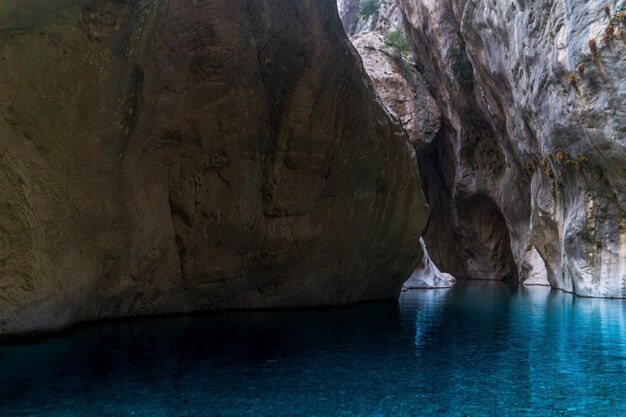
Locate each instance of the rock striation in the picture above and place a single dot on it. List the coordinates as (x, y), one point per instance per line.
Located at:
(527, 175)
(162, 157)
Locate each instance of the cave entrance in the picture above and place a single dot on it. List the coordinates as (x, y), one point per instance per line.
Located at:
(466, 236)
(485, 243)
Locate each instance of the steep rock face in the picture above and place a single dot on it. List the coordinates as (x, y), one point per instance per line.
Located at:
(544, 150)
(401, 88)
(405, 94)
(169, 156)
(349, 14)
(527, 176)
(387, 18)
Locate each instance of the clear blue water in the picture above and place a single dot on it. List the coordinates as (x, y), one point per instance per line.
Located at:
(479, 349)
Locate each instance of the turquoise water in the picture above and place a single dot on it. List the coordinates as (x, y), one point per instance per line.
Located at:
(479, 349)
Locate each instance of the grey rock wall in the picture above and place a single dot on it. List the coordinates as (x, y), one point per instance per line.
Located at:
(544, 143)
(527, 175)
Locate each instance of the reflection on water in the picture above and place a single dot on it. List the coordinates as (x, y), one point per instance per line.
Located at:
(478, 349)
(523, 350)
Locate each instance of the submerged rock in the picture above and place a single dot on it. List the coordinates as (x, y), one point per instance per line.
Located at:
(170, 156)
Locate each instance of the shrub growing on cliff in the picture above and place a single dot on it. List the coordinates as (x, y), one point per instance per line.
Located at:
(562, 156)
(580, 163)
(571, 78)
(529, 168)
(596, 172)
(593, 47)
(369, 8)
(608, 33)
(397, 40)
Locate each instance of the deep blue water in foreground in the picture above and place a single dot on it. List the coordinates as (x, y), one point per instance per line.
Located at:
(479, 349)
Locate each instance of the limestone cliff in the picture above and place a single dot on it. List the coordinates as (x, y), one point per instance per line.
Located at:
(527, 176)
(404, 92)
(166, 156)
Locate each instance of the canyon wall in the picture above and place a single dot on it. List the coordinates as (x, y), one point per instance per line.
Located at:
(527, 176)
(168, 156)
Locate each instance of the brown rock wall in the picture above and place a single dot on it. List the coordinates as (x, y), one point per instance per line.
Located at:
(170, 156)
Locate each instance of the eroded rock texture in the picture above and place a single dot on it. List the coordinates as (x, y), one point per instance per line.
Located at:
(527, 177)
(166, 156)
(401, 88)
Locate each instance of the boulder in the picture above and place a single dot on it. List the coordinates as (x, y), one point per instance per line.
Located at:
(161, 157)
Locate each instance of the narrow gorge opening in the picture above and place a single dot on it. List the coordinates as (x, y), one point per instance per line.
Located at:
(460, 160)
(468, 238)
(485, 240)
